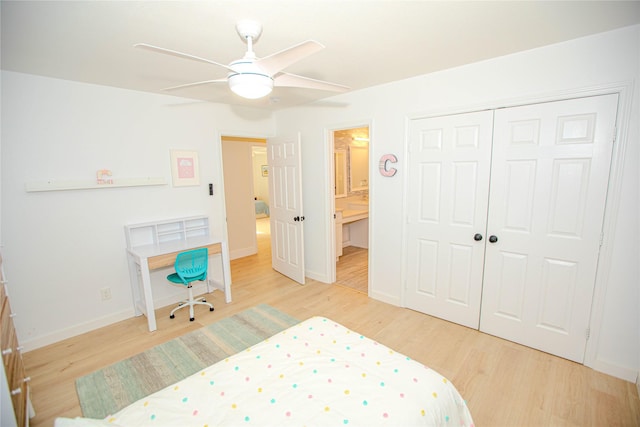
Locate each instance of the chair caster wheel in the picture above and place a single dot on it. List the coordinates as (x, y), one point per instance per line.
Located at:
(210, 308)
(192, 319)
(173, 316)
(204, 300)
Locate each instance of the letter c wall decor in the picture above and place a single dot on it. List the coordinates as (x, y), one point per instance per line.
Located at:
(385, 170)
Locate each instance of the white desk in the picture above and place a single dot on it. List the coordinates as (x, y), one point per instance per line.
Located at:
(161, 254)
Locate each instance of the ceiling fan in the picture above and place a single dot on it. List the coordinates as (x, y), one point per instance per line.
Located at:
(252, 77)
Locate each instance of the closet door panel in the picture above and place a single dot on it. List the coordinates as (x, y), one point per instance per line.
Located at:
(448, 181)
(549, 178)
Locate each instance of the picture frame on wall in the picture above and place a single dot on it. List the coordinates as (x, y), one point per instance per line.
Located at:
(185, 170)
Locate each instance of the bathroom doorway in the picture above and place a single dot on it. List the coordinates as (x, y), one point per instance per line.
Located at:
(351, 206)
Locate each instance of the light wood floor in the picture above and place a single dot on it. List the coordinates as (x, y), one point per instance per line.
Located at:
(505, 384)
(352, 269)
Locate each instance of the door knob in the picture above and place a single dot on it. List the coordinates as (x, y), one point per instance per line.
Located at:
(477, 237)
(296, 218)
(493, 238)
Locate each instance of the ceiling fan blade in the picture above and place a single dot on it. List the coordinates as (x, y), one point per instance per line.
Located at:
(180, 54)
(279, 61)
(205, 82)
(292, 80)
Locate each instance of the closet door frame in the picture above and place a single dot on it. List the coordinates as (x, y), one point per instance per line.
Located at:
(612, 205)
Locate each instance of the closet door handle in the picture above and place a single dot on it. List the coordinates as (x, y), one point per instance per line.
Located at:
(493, 238)
(296, 218)
(477, 237)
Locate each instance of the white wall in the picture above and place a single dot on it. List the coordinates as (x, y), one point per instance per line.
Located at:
(238, 184)
(607, 59)
(62, 247)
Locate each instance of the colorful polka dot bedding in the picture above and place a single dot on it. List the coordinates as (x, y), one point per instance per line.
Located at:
(316, 373)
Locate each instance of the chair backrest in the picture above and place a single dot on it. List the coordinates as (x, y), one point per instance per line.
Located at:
(192, 265)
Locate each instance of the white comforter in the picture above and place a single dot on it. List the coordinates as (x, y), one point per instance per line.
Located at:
(317, 373)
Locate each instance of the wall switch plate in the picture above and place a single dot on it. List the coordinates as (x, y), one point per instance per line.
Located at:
(105, 294)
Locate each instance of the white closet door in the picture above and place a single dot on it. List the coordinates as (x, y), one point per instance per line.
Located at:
(549, 178)
(448, 180)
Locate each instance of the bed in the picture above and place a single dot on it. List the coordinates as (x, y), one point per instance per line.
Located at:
(316, 373)
(262, 208)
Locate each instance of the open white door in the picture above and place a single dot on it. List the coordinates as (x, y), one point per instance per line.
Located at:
(285, 190)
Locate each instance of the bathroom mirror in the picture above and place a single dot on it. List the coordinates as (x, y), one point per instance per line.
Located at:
(340, 168)
(358, 167)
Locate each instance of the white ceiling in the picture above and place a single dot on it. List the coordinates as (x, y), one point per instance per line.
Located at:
(367, 42)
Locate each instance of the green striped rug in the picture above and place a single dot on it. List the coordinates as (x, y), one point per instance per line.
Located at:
(110, 389)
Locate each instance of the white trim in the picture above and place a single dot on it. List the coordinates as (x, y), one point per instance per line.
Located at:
(243, 252)
(330, 256)
(75, 330)
(314, 275)
(560, 95)
(330, 202)
(384, 297)
(405, 216)
(612, 204)
(627, 374)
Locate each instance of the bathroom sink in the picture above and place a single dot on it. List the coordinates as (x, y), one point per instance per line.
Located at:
(358, 207)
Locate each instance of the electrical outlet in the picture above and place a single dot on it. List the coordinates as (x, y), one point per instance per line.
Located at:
(105, 294)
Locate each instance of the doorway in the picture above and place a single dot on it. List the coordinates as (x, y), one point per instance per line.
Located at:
(261, 200)
(350, 188)
(246, 192)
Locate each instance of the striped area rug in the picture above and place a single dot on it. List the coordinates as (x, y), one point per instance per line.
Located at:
(110, 389)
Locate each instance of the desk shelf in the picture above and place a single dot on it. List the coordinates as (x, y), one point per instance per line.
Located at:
(154, 233)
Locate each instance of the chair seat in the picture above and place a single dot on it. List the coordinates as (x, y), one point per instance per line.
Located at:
(175, 278)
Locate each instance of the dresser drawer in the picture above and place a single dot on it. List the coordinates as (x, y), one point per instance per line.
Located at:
(12, 358)
(8, 339)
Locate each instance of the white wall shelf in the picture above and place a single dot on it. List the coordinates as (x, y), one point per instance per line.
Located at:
(91, 184)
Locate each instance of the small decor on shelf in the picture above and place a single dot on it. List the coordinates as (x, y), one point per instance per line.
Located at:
(103, 176)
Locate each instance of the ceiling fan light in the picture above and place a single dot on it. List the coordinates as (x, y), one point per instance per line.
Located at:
(251, 86)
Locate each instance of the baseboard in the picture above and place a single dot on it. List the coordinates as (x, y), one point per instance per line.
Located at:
(381, 296)
(241, 253)
(638, 384)
(621, 372)
(316, 276)
(54, 337)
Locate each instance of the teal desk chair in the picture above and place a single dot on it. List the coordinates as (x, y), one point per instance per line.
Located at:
(190, 266)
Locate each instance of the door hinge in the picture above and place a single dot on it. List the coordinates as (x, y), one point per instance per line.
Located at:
(601, 239)
(587, 333)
